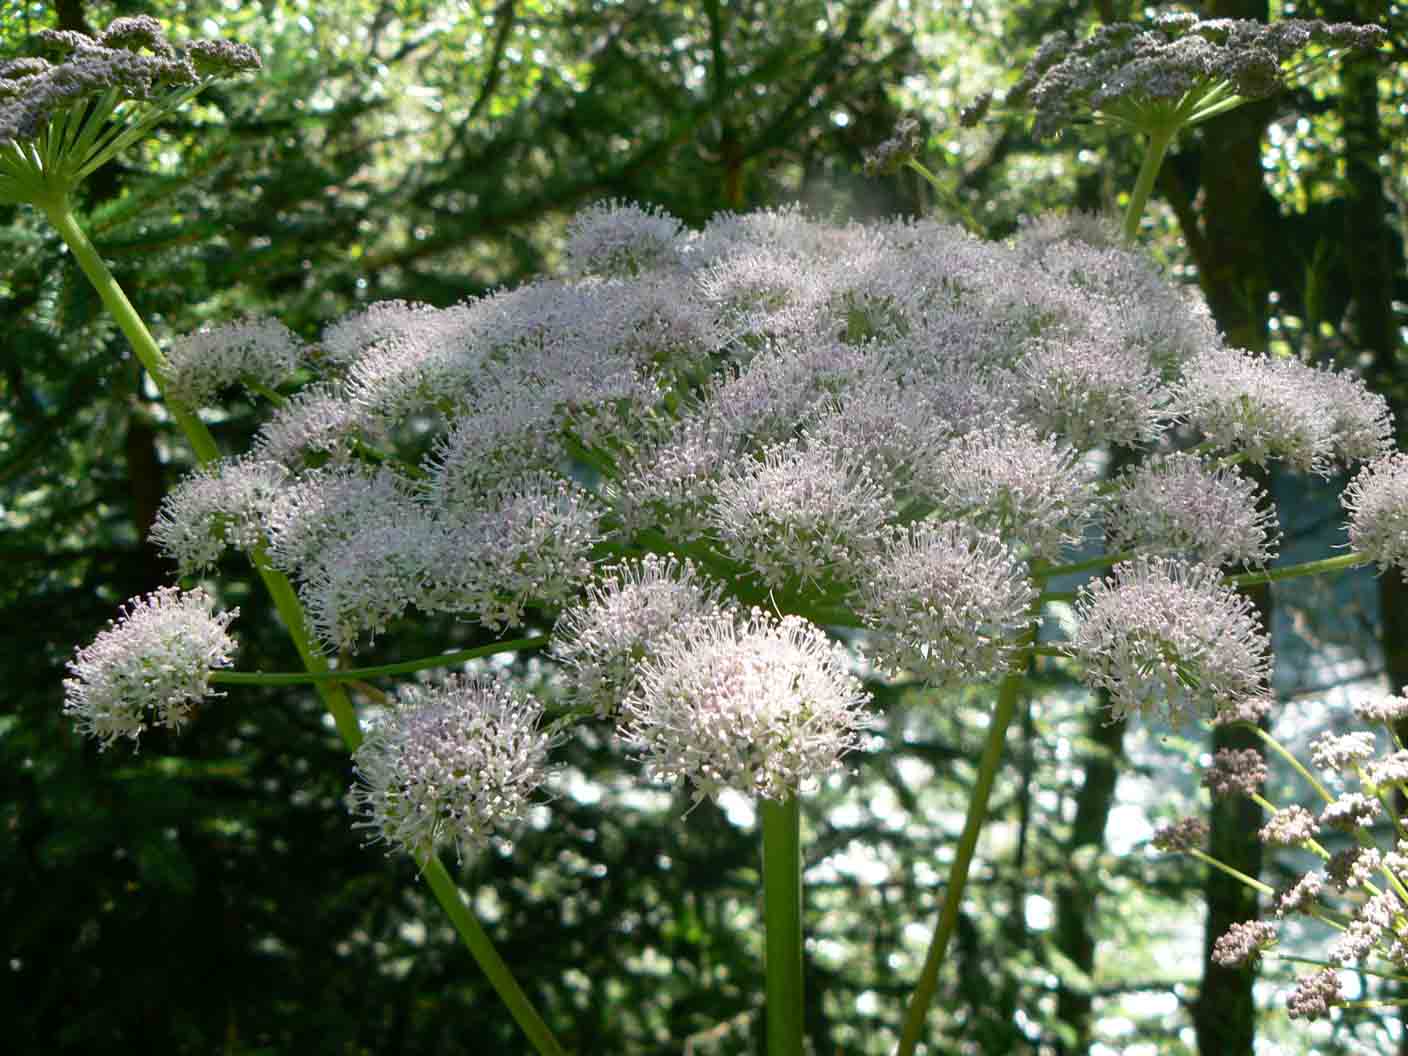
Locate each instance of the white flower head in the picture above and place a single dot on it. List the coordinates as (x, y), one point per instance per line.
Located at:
(1165, 633)
(199, 365)
(1377, 502)
(218, 505)
(614, 238)
(1178, 504)
(800, 514)
(155, 659)
(947, 603)
(1008, 480)
(1270, 408)
(625, 614)
(450, 765)
(761, 708)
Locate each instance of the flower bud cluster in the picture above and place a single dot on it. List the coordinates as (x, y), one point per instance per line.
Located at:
(1125, 70)
(131, 58)
(1373, 921)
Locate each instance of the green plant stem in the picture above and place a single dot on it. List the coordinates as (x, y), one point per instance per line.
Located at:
(782, 914)
(923, 996)
(487, 957)
(1308, 568)
(353, 674)
(60, 213)
(1154, 152)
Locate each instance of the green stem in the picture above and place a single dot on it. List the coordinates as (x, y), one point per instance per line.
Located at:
(1007, 695)
(60, 213)
(1308, 568)
(782, 912)
(487, 957)
(1144, 185)
(352, 674)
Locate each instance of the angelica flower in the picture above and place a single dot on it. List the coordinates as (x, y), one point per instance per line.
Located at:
(199, 365)
(1180, 505)
(60, 121)
(1243, 941)
(626, 614)
(761, 708)
(1377, 502)
(1315, 995)
(1014, 483)
(218, 505)
(614, 238)
(1235, 772)
(1162, 632)
(152, 664)
(1171, 74)
(451, 764)
(946, 603)
(801, 514)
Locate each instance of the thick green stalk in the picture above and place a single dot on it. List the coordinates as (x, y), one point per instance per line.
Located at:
(60, 214)
(782, 913)
(1144, 184)
(482, 948)
(1007, 695)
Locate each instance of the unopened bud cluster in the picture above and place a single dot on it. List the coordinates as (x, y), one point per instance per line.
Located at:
(1361, 891)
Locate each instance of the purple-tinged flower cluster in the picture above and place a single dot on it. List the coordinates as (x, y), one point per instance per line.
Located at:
(130, 59)
(1377, 503)
(1185, 834)
(1161, 633)
(1243, 942)
(621, 239)
(450, 765)
(762, 707)
(1315, 995)
(1265, 408)
(263, 352)
(1137, 75)
(946, 603)
(625, 615)
(1235, 772)
(223, 504)
(152, 664)
(1182, 505)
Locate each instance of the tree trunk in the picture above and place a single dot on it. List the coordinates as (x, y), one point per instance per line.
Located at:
(1234, 277)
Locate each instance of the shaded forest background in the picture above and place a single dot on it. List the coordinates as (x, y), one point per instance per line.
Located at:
(208, 895)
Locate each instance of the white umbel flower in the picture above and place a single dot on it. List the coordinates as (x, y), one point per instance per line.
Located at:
(1179, 504)
(801, 514)
(450, 765)
(621, 239)
(624, 615)
(1377, 502)
(155, 659)
(199, 365)
(760, 708)
(947, 603)
(221, 504)
(1165, 633)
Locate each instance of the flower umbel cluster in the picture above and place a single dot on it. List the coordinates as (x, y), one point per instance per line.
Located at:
(891, 428)
(54, 115)
(1176, 71)
(450, 765)
(1355, 832)
(152, 664)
